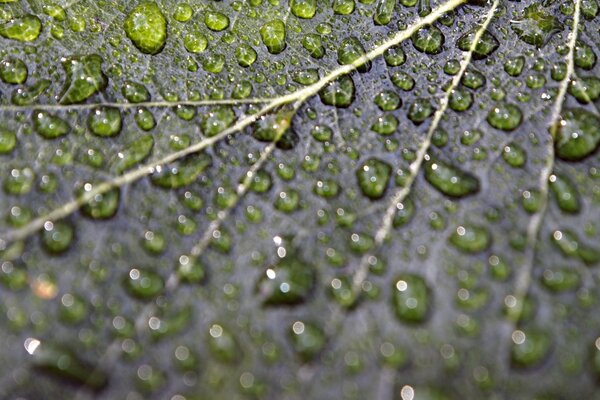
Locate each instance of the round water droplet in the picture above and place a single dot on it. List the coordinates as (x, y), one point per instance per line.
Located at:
(245, 54)
(105, 122)
(57, 236)
(470, 238)
(289, 281)
(305, 9)
(101, 206)
(183, 12)
(343, 7)
(307, 339)
(460, 99)
(287, 201)
(195, 42)
(273, 36)
(144, 119)
(387, 100)
(143, 284)
(514, 155)
(313, 44)
(385, 124)
(217, 120)
(13, 71)
(411, 298)
(146, 27)
(373, 177)
(216, 21)
(514, 66)
(577, 134)
(49, 126)
(429, 40)
(339, 93)
(420, 110)
(529, 347)
(394, 56)
(505, 116)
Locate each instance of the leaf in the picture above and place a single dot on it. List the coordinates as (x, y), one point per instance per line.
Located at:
(373, 199)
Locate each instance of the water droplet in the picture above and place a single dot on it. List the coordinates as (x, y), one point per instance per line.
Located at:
(57, 236)
(514, 66)
(560, 279)
(143, 284)
(135, 92)
(84, 78)
(62, 362)
(460, 99)
(8, 140)
(450, 180)
(105, 122)
(373, 177)
(571, 246)
(216, 21)
(181, 173)
(536, 25)
(101, 206)
(48, 125)
(383, 12)
(529, 347)
(514, 155)
(13, 71)
(217, 120)
(339, 93)
(388, 100)
(385, 124)
(420, 110)
(183, 12)
(245, 54)
(146, 27)
(19, 181)
(577, 134)
(273, 36)
(307, 339)
(305, 9)
(565, 193)
(24, 29)
(394, 56)
(144, 119)
(343, 7)
(486, 45)
(289, 281)
(287, 201)
(505, 116)
(429, 40)
(470, 238)
(313, 44)
(351, 50)
(411, 298)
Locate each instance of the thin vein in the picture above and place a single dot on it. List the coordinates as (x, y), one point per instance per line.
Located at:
(414, 168)
(524, 277)
(124, 106)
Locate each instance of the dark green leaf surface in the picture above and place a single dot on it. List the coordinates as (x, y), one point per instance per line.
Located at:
(257, 199)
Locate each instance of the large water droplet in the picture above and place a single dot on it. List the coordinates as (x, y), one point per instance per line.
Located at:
(146, 27)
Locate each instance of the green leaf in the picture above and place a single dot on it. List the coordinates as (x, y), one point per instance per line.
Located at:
(366, 199)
